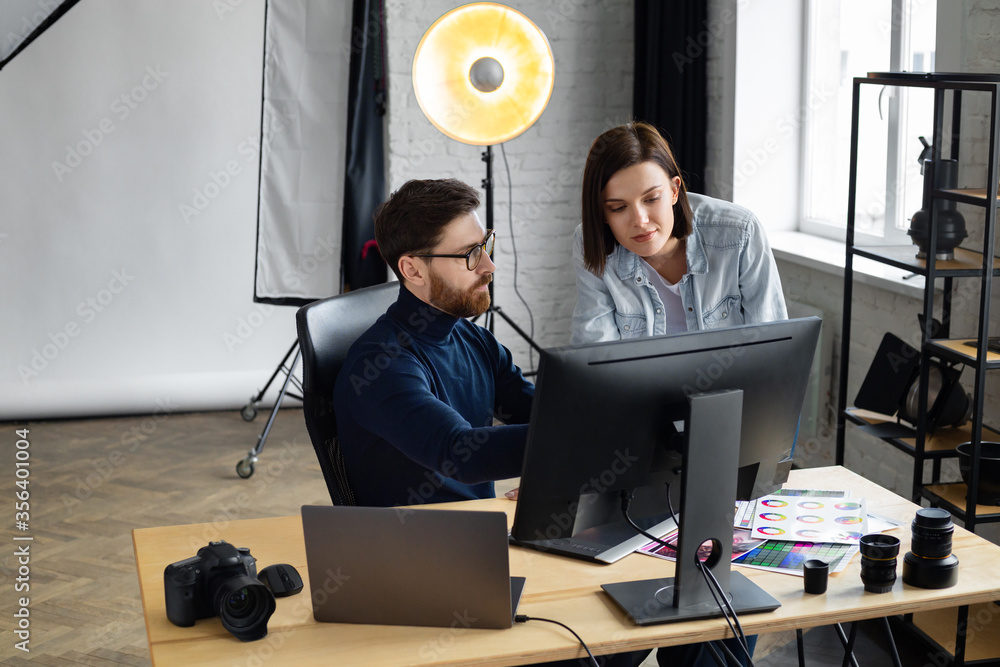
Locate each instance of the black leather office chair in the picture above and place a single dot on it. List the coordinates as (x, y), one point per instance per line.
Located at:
(326, 330)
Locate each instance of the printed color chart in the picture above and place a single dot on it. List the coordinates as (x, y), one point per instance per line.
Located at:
(789, 556)
(810, 519)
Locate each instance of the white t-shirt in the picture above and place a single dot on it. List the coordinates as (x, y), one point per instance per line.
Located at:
(670, 295)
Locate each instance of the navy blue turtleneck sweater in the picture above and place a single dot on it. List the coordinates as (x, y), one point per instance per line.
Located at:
(415, 403)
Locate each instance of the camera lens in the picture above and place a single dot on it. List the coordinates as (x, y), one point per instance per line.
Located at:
(245, 605)
(878, 562)
(240, 604)
(932, 532)
(930, 563)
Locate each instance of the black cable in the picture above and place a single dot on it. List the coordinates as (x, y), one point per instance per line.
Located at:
(721, 600)
(626, 497)
(513, 251)
(736, 618)
(740, 636)
(670, 508)
(713, 652)
(727, 651)
(522, 618)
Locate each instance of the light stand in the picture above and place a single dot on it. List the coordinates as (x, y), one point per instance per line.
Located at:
(482, 75)
(494, 309)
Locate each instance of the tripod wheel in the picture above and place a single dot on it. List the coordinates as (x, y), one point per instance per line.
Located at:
(244, 468)
(249, 412)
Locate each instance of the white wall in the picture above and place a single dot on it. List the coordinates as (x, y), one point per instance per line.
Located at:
(592, 44)
(112, 301)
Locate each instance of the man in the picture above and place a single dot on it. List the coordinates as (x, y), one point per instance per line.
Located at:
(419, 391)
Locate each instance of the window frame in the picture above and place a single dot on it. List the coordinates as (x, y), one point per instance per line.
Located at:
(896, 117)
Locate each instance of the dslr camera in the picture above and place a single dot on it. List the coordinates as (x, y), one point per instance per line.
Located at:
(220, 581)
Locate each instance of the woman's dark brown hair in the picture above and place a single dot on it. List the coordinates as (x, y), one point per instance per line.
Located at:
(621, 147)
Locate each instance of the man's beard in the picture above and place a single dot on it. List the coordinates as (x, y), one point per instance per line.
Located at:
(455, 302)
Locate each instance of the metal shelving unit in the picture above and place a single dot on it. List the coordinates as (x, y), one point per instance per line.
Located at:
(968, 264)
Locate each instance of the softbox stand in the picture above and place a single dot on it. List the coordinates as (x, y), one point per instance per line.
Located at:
(245, 467)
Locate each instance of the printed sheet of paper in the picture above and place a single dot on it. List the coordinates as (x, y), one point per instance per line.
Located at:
(787, 557)
(810, 519)
(745, 508)
(741, 545)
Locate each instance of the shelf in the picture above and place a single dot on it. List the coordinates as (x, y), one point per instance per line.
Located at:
(974, 196)
(952, 498)
(981, 643)
(937, 628)
(940, 444)
(956, 350)
(967, 263)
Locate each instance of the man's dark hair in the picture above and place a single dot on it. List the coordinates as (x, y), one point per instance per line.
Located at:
(619, 148)
(412, 219)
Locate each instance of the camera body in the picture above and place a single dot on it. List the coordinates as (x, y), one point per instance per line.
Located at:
(221, 580)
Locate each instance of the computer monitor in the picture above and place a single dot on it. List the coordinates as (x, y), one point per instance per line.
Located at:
(633, 415)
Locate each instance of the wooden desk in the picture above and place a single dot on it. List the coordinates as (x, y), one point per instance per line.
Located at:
(557, 588)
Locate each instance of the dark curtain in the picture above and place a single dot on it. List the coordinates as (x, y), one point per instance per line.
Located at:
(672, 38)
(365, 179)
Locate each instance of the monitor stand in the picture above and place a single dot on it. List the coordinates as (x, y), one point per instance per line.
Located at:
(711, 461)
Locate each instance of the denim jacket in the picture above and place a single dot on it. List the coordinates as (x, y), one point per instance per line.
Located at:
(731, 280)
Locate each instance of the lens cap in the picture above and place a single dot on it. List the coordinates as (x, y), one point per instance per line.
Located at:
(933, 517)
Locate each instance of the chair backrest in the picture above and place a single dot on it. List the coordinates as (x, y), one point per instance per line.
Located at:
(326, 330)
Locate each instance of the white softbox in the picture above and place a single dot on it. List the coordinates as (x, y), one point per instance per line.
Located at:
(303, 149)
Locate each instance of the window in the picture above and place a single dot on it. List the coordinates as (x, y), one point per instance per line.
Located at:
(845, 39)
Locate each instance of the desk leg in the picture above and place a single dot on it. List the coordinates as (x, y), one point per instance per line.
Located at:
(892, 642)
(800, 645)
(963, 624)
(848, 643)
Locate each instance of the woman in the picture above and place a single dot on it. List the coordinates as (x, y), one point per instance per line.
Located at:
(652, 259)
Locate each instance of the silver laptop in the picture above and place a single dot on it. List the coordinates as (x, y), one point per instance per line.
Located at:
(399, 566)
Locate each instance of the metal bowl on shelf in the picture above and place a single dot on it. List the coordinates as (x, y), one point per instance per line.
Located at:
(989, 470)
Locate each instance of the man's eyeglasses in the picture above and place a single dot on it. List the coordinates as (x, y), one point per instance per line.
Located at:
(475, 254)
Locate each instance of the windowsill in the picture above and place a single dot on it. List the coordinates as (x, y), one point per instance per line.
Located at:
(828, 256)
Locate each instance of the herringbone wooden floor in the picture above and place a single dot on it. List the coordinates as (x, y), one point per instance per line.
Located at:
(92, 481)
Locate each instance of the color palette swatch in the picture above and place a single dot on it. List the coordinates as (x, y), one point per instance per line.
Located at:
(788, 556)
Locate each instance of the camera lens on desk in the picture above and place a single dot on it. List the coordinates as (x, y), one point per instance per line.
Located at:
(930, 563)
(245, 605)
(878, 562)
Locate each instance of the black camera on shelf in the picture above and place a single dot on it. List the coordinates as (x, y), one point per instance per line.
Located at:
(220, 581)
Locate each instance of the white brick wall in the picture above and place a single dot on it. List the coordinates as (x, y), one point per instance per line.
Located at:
(592, 44)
